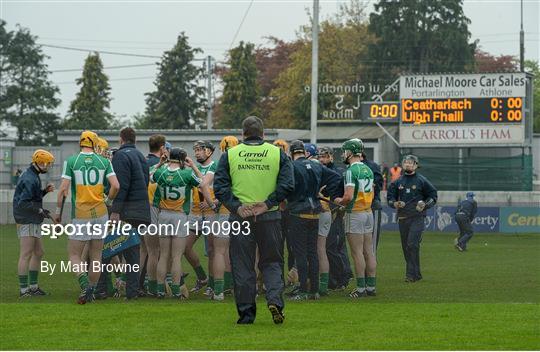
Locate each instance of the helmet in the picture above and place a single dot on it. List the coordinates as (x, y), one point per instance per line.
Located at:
(470, 195)
(89, 139)
(42, 156)
(326, 150)
(297, 146)
(177, 155)
(204, 144)
(102, 144)
(282, 144)
(168, 146)
(355, 146)
(411, 157)
(311, 149)
(227, 143)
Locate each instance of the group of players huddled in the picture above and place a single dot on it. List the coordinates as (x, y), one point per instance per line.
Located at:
(180, 192)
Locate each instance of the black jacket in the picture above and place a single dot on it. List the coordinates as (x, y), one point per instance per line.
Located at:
(468, 207)
(131, 170)
(28, 198)
(309, 177)
(285, 183)
(151, 160)
(411, 189)
(377, 183)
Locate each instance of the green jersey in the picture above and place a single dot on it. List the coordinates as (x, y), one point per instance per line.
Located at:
(197, 194)
(174, 188)
(360, 176)
(88, 173)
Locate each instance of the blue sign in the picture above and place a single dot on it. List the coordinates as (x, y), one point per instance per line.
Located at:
(520, 219)
(442, 219)
(116, 242)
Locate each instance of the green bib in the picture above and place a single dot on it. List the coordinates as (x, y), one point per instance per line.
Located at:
(254, 170)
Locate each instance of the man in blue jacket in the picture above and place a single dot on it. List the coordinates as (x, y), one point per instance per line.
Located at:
(131, 204)
(304, 208)
(465, 213)
(29, 213)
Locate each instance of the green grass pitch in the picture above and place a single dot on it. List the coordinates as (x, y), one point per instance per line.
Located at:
(485, 299)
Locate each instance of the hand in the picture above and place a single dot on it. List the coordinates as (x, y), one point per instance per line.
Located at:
(399, 204)
(189, 162)
(57, 219)
(338, 200)
(49, 188)
(420, 205)
(108, 201)
(45, 213)
(245, 211)
(259, 208)
(114, 217)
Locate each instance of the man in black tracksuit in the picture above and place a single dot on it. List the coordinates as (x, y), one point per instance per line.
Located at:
(336, 245)
(131, 203)
(304, 208)
(376, 205)
(251, 180)
(465, 213)
(411, 194)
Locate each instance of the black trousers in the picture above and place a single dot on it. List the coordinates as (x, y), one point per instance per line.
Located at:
(267, 236)
(284, 226)
(411, 230)
(303, 233)
(376, 229)
(465, 230)
(131, 255)
(336, 250)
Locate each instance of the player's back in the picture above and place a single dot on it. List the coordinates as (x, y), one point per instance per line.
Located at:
(174, 188)
(360, 176)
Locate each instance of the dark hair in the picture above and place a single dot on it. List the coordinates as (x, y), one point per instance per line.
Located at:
(252, 126)
(155, 142)
(128, 135)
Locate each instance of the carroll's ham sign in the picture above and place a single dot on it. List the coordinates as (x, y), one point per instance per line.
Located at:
(462, 109)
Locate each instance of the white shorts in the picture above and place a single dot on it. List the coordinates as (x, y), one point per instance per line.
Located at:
(95, 231)
(29, 230)
(217, 228)
(325, 222)
(359, 223)
(154, 213)
(172, 223)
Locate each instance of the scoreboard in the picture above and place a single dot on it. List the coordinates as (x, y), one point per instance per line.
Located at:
(462, 109)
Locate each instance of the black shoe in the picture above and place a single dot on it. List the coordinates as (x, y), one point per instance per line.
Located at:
(199, 285)
(371, 292)
(101, 296)
(293, 292)
(38, 292)
(277, 315)
(160, 295)
(356, 293)
(246, 319)
(86, 296)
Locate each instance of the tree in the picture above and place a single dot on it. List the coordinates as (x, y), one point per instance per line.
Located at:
(241, 91)
(532, 67)
(179, 98)
(421, 37)
(343, 43)
(485, 62)
(27, 96)
(89, 109)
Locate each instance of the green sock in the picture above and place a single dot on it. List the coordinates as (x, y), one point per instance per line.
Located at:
(168, 279)
(152, 286)
(218, 286)
(361, 283)
(175, 289)
(83, 281)
(323, 283)
(199, 271)
(161, 288)
(370, 282)
(23, 282)
(228, 282)
(33, 278)
(211, 282)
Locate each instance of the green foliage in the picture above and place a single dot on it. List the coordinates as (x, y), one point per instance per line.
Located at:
(343, 42)
(27, 97)
(179, 97)
(89, 109)
(419, 36)
(241, 90)
(532, 67)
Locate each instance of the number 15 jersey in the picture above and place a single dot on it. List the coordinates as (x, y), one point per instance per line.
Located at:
(174, 188)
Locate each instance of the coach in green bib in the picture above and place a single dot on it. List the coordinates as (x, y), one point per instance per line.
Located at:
(251, 179)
